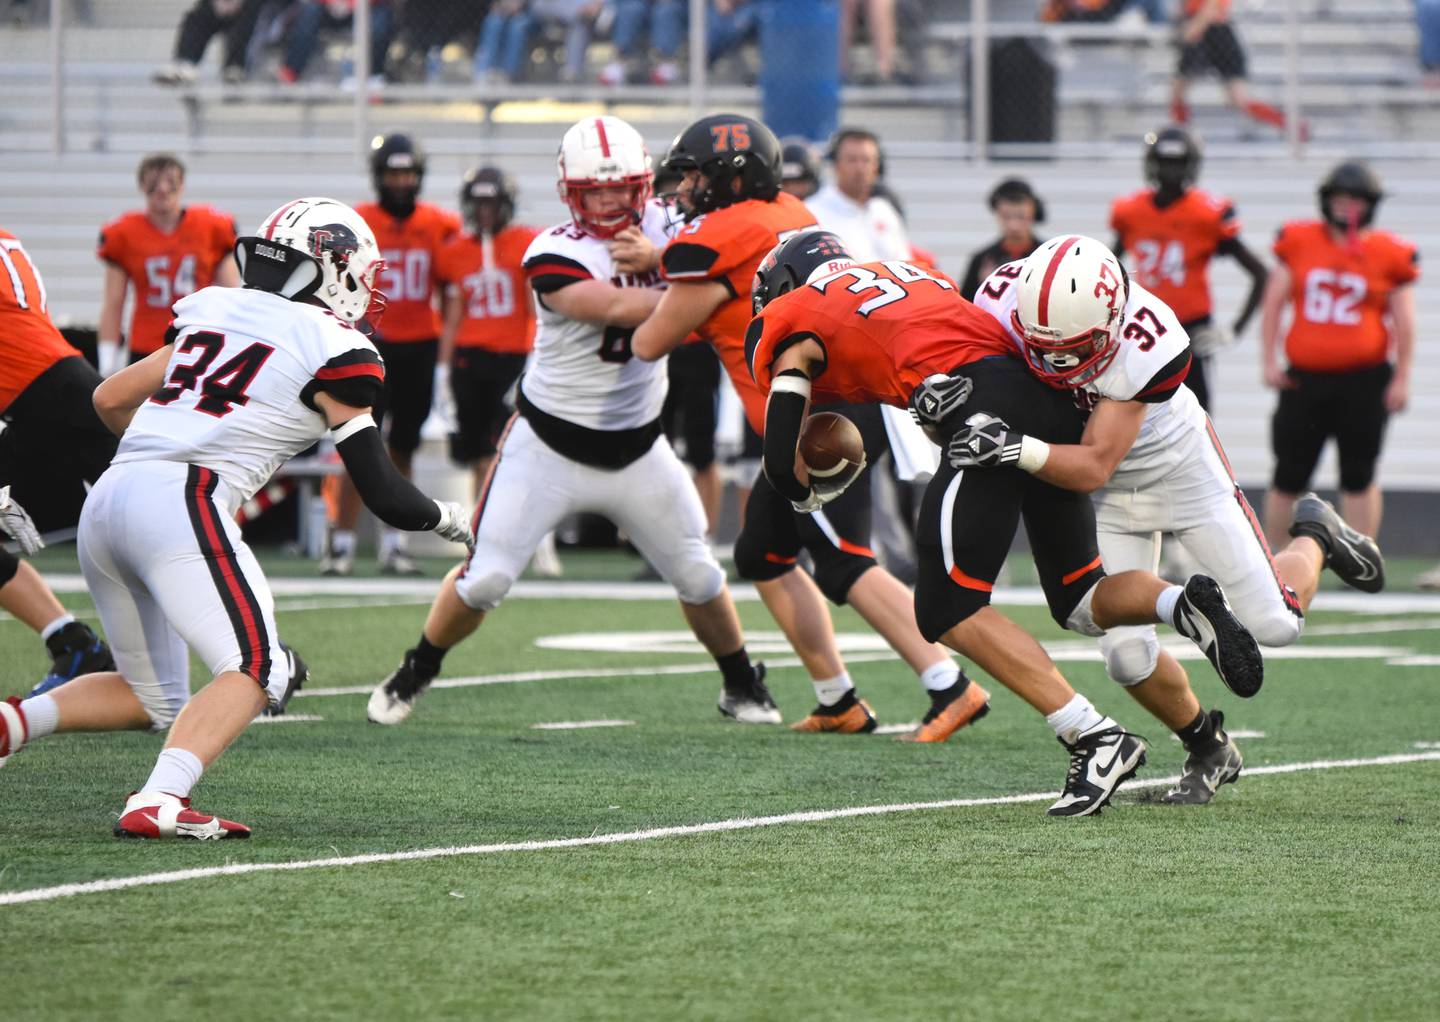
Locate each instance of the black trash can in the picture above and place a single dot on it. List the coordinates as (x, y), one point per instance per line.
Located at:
(1022, 91)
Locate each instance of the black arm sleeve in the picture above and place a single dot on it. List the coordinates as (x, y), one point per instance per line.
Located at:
(1259, 274)
(784, 418)
(393, 498)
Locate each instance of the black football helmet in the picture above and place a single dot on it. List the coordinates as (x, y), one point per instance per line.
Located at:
(738, 156)
(800, 162)
(1350, 178)
(487, 184)
(1172, 158)
(793, 262)
(396, 151)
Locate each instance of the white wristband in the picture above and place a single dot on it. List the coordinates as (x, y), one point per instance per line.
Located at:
(791, 385)
(350, 427)
(1034, 452)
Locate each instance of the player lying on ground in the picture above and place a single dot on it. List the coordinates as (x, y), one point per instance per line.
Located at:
(587, 436)
(1154, 462)
(249, 379)
(890, 332)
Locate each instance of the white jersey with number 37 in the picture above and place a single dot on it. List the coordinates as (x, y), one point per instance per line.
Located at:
(1150, 366)
(238, 395)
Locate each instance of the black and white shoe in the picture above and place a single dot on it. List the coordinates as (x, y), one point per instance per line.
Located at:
(1351, 555)
(1203, 615)
(755, 706)
(394, 698)
(299, 675)
(1203, 775)
(1100, 761)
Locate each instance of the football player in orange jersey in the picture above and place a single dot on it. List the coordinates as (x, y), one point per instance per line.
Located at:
(1172, 230)
(736, 213)
(1208, 43)
(1350, 345)
(164, 252)
(489, 319)
(410, 234)
(52, 445)
(887, 331)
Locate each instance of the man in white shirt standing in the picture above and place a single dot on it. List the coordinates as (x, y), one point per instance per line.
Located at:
(869, 224)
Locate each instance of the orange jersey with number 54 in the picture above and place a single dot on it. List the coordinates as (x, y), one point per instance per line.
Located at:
(884, 327)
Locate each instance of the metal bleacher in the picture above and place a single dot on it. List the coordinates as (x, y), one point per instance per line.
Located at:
(258, 145)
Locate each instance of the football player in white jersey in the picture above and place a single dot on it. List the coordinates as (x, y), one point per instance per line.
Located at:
(249, 378)
(1154, 463)
(587, 434)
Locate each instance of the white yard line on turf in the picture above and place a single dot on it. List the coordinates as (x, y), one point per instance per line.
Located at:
(578, 725)
(287, 718)
(626, 837)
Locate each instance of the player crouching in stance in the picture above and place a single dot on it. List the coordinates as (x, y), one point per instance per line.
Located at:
(587, 436)
(886, 331)
(250, 378)
(1154, 462)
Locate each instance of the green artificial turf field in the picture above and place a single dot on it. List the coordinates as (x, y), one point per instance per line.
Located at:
(1300, 893)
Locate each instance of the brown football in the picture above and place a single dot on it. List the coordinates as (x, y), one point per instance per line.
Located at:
(828, 443)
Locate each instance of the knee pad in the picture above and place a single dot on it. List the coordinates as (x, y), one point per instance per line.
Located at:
(754, 563)
(482, 588)
(9, 565)
(836, 571)
(1277, 627)
(1081, 619)
(1130, 654)
(699, 581)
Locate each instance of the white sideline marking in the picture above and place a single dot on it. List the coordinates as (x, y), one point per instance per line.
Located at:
(896, 729)
(576, 725)
(287, 718)
(1420, 660)
(626, 837)
(1244, 734)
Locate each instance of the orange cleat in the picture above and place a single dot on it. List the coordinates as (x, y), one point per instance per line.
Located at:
(856, 718)
(938, 725)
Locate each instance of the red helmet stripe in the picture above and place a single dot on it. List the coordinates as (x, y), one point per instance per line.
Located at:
(1043, 313)
(604, 142)
(274, 220)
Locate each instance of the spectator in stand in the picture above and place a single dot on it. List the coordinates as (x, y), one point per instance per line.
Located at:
(1102, 10)
(729, 25)
(164, 252)
(203, 22)
(1172, 230)
(1208, 42)
(1017, 210)
(879, 25)
(799, 168)
(315, 15)
(489, 318)
(1427, 20)
(503, 50)
(666, 21)
(869, 224)
(1350, 346)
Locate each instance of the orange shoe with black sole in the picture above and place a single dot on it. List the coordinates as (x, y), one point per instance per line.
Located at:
(849, 717)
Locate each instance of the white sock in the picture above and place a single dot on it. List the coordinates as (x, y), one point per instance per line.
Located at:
(391, 541)
(831, 690)
(54, 626)
(342, 541)
(42, 716)
(1074, 719)
(1165, 604)
(940, 676)
(175, 773)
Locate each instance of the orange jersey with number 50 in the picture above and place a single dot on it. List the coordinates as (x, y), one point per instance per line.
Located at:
(409, 248)
(884, 327)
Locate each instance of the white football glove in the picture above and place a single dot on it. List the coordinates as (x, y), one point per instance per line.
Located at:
(823, 491)
(16, 524)
(442, 404)
(1210, 338)
(454, 523)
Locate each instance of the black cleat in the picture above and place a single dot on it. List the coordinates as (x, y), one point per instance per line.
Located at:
(1203, 615)
(1203, 775)
(1100, 761)
(394, 698)
(299, 675)
(74, 650)
(1351, 555)
(755, 705)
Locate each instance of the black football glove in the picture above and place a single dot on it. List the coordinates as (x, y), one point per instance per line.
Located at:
(985, 442)
(937, 398)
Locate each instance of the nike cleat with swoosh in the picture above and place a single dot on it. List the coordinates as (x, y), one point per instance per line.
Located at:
(1353, 556)
(1203, 615)
(157, 815)
(1100, 761)
(1203, 775)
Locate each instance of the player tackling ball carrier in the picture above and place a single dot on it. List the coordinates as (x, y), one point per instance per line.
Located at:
(587, 436)
(887, 331)
(249, 378)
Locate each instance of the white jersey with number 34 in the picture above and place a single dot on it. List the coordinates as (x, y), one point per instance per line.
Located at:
(1150, 366)
(238, 394)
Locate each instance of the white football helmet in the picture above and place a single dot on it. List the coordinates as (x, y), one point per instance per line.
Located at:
(316, 248)
(602, 152)
(1070, 301)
